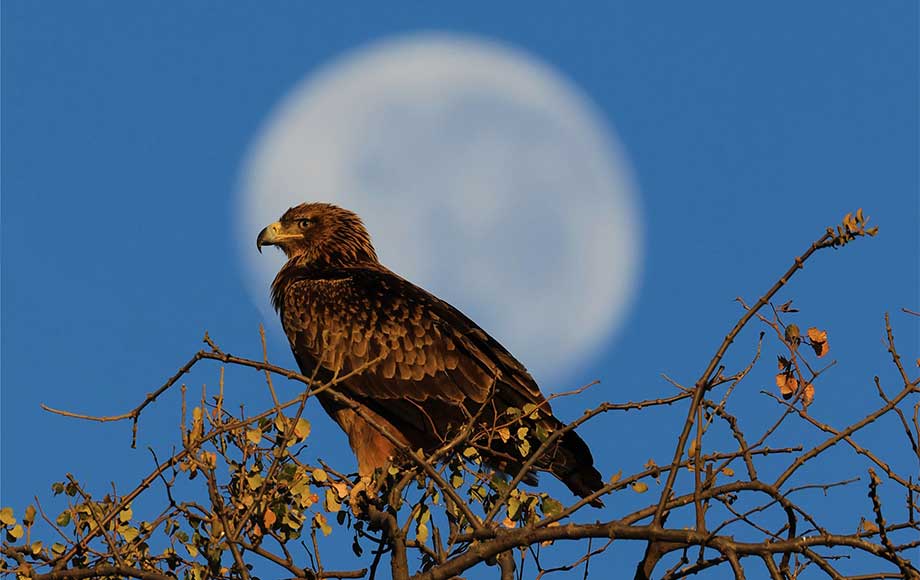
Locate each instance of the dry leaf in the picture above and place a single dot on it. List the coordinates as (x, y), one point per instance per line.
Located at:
(787, 384)
(821, 349)
(817, 335)
(808, 395)
(342, 489)
(818, 340)
(867, 526)
(320, 521)
(270, 518)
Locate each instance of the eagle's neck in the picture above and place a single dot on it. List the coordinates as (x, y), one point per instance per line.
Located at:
(304, 268)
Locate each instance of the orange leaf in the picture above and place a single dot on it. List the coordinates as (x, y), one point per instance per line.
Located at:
(818, 340)
(821, 348)
(808, 395)
(817, 335)
(782, 363)
(787, 384)
(269, 518)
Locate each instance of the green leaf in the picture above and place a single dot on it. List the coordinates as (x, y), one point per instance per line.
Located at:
(301, 487)
(57, 549)
(125, 515)
(332, 503)
(293, 519)
(64, 518)
(514, 507)
(129, 532)
(254, 481)
(192, 550)
(550, 506)
(254, 436)
(302, 429)
(524, 448)
(499, 483)
(319, 475)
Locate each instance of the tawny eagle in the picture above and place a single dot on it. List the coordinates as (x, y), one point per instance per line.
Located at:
(342, 309)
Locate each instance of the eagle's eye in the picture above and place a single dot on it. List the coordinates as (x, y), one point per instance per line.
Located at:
(304, 223)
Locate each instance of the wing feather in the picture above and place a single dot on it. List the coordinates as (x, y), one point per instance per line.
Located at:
(430, 349)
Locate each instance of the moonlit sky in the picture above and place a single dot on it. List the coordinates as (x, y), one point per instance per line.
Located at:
(476, 165)
(126, 128)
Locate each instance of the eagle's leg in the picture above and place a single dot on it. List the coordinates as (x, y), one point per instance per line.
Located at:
(373, 450)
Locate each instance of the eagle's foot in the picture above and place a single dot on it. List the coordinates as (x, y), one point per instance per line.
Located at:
(363, 492)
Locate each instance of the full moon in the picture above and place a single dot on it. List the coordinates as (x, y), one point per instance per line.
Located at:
(483, 176)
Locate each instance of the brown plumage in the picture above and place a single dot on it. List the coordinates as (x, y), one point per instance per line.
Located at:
(341, 309)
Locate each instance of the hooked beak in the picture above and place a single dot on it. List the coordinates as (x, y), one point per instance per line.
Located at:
(269, 236)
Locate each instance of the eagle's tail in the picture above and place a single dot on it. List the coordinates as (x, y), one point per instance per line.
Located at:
(575, 468)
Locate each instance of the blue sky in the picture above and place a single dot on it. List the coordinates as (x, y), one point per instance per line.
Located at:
(750, 129)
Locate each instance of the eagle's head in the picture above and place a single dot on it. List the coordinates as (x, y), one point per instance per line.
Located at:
(320, 234)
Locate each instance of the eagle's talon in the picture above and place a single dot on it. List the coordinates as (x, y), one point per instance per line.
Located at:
(360, 495)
